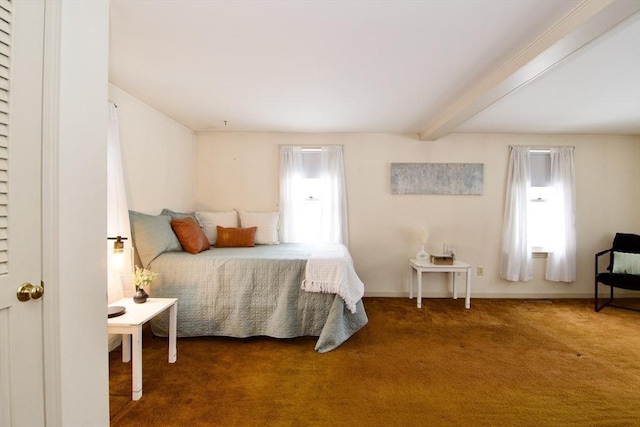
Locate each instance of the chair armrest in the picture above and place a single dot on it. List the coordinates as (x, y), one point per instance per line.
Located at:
(598, 255)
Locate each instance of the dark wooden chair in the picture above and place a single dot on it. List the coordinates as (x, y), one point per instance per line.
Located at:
(629, 244)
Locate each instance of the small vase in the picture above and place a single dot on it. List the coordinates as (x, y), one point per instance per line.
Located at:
(422, 255)
(140, 296)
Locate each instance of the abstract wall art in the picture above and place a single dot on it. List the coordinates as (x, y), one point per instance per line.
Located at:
(437, 178)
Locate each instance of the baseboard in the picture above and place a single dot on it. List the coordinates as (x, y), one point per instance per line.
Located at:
(618, 294)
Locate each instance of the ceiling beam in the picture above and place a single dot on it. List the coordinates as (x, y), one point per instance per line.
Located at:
(585, 23)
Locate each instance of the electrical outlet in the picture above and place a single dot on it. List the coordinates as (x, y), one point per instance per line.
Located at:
(480, 271)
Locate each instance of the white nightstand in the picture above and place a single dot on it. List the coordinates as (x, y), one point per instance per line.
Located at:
(427, 267)
(130, 326)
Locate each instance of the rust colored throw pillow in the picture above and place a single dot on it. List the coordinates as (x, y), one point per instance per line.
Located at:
(235, 237)
(190, 235)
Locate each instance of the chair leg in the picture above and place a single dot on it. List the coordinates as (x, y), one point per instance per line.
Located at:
(609, 302)
(606, 303)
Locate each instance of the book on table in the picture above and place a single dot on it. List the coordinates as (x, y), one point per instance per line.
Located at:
(442, 259)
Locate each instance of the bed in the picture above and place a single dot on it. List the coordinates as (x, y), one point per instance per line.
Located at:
(282, 291)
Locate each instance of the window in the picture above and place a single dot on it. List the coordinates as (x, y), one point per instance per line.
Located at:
(539, 214)
(312, 195)
(311, 182)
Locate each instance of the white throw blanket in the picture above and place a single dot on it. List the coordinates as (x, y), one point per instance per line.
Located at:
(330, 270)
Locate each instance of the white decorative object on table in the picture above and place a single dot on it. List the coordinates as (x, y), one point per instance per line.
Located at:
(423, 255)
(448, 249)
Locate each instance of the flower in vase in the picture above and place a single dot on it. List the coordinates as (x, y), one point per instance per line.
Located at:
(143, 277)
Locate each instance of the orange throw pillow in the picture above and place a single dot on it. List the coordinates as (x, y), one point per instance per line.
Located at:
(235, 237)
(190, 235)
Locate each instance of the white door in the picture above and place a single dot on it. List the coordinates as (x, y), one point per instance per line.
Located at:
(21, 339)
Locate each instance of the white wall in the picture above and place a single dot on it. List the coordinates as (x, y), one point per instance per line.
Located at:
(158, 155)
(240, 170)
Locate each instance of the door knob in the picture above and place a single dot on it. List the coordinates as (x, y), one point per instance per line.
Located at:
(27, 291)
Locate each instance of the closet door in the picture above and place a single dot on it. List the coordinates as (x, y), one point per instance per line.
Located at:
(21, 329)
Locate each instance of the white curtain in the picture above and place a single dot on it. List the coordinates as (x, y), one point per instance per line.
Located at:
(561, 260)
(291, 195)
(515, 259)
(117, 206)
(332, 226)
(333, 196)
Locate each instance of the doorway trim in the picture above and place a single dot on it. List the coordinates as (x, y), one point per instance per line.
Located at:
(50, 212)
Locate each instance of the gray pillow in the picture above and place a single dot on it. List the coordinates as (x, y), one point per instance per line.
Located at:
(179, 215)
(152, 235)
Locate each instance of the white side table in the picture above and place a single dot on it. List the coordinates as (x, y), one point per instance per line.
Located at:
(130, 326)
(427, 267)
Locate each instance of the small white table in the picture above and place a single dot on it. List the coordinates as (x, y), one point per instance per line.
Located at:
(427, 267)
(130, 326)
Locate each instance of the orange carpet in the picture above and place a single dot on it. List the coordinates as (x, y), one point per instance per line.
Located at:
(501, 363)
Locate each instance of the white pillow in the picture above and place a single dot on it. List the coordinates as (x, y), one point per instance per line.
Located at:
(209, 220)
(267, 223)
(626, 263)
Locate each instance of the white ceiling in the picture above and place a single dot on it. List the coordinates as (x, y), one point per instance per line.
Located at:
(371, 66)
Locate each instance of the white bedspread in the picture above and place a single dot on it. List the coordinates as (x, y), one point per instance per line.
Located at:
(330, 270)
